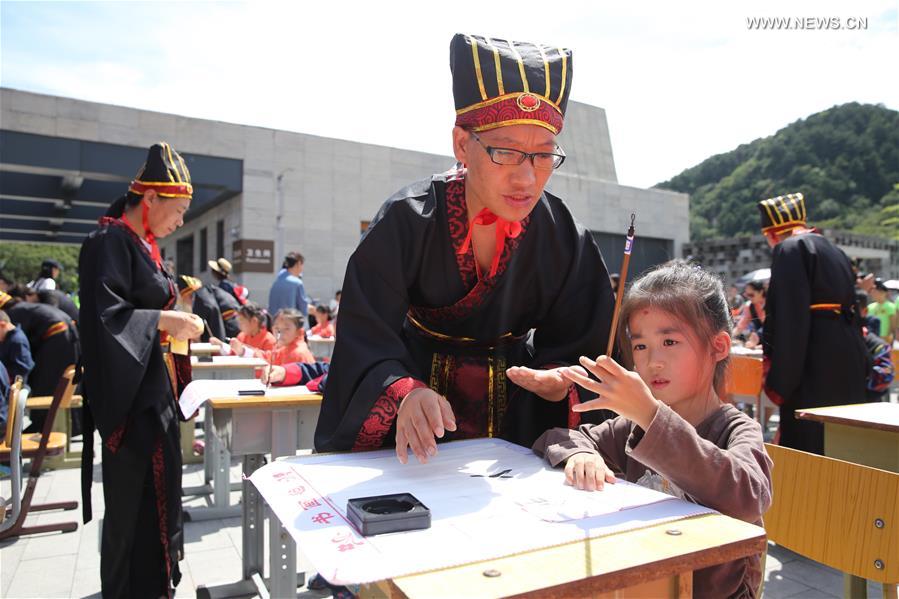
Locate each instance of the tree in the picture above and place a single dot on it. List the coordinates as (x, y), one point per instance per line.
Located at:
(22, 262)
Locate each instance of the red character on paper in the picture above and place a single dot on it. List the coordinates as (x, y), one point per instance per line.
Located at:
(309, 503)
(298, 490)
(322, 517)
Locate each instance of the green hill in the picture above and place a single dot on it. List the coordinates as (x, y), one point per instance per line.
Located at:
(844, 159)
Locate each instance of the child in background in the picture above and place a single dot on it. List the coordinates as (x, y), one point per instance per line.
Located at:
(291, 340)
(324, 328)
(253, 321)
(673, 433)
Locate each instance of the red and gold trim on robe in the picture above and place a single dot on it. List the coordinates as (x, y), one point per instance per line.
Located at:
(55, 329)
(476, 386)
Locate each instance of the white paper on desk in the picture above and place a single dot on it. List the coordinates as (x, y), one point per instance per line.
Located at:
(198, 392)
(488, 498)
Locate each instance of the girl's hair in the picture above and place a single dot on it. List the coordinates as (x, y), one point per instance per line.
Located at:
(252, 310)
(757, 286)
(324, 309)
(688, 293)
(293, 315)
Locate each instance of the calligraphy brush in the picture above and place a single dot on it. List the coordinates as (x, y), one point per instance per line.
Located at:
(271, 356)
(628, 247)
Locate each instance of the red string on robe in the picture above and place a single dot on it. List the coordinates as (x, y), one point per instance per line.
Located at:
(149, 237)
(504, 228)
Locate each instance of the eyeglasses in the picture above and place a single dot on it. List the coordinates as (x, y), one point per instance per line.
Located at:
(546, 161)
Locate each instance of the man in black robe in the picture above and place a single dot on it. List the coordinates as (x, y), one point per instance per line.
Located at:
(228, 306)
(814, 352)
(54, 344)
(470, 287)
(132, 379)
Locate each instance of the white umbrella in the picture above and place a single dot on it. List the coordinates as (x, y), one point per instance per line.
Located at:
(762, 274)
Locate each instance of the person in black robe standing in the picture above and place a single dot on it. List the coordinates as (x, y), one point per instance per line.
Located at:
(132, 378)
(469, 288)
(198, 299)
(229, 307)
(814, 352)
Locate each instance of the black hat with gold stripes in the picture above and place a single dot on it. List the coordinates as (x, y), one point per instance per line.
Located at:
(782, 213)
(164, 172)
(498, 83)
(188, 284)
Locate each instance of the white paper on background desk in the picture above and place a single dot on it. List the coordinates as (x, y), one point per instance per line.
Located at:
(198, 392)
(475, 515)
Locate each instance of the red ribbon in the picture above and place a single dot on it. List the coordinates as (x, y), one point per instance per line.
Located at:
(504, 228)
(150, 238)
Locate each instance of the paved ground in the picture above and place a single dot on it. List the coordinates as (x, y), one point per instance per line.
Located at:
(68, 565)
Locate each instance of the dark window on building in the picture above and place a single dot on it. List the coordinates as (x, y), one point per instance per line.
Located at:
(204, 245)
(220, 239)
(184, 251)
(647, 252)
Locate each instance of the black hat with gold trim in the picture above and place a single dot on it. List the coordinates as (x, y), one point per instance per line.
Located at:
(164, 172)
(188, 284)
(498, 83)
(782, 213)
(5, 298)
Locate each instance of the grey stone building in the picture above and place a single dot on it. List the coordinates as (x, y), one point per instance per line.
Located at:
(263, 192)
(732, 257)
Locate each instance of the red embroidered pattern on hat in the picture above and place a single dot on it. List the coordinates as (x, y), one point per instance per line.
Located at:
(522, 109)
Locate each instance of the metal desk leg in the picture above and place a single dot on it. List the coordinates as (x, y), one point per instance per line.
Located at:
(210, 441)
(221, 477)
(253, 537)
(282, 549)
(252, 521)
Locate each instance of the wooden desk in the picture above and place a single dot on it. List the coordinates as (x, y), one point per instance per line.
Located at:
(204, 349)
(321, 348)
(278, 423)
(216, 459)
(62, 423)
(648, 562)
(866, 434)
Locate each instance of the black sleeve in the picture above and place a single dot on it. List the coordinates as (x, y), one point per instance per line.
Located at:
(369, 354)
(788, 318)
(121, 337)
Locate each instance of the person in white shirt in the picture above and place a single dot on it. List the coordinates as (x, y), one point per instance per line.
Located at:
(50, 269)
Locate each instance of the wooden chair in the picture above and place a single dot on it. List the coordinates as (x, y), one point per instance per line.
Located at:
(840, 514)
(16, 447)
(62, 423)
(745, 378)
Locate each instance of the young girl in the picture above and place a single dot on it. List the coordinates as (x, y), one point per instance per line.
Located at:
(254, 333)
(291, 345)
(673, 434)
(324, 328)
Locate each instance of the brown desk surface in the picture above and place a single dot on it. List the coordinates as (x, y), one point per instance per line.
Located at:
(227, 362)
(280, 400)
(204, 349)
(880, 415)
(605, 563)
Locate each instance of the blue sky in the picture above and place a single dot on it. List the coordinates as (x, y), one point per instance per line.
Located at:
(679, 81)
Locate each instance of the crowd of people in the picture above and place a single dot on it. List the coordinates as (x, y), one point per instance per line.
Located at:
(453, 327)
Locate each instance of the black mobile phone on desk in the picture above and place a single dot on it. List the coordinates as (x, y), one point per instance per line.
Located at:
(243, 392)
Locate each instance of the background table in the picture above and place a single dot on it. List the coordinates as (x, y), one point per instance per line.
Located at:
(279, 423)
(216, 459)
(866, 434)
